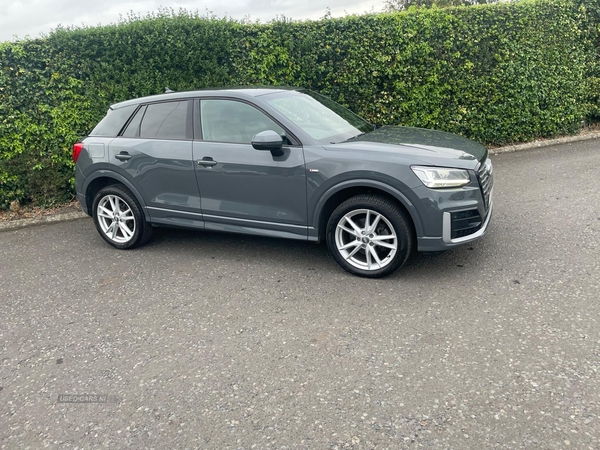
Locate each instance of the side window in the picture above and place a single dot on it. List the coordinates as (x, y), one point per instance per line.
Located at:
(113, 121)
(232, 121)
(133, 128)
(165, 121)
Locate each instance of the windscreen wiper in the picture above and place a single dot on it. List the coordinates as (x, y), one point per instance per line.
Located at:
(354, 137)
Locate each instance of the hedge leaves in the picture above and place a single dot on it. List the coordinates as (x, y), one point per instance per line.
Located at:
(500, 73)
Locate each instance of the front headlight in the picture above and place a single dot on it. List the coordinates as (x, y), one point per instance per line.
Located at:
(441, 177)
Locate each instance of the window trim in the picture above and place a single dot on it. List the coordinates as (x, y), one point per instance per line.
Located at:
(137, 132)
(188, 121)
(198, 123)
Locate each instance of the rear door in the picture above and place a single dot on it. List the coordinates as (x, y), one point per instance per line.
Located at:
(244, 189)
(155, 152)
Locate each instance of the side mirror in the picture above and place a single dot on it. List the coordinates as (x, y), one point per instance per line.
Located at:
(268, 140)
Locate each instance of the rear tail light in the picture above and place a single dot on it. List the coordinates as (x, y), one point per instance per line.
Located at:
(77, 150)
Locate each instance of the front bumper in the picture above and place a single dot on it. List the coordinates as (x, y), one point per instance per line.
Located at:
(436, 244)
(447, 229)
(464, 217)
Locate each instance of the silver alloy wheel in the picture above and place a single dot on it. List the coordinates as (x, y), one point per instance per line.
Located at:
(366, 239)
(116, 219)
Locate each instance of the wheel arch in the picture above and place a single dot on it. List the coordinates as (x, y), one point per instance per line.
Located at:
(103, 178)
(343, 191)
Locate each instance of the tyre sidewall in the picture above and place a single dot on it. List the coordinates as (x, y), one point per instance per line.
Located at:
(131, 201)
(391, 213)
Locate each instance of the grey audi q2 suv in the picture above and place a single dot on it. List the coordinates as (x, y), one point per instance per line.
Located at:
(287, 163)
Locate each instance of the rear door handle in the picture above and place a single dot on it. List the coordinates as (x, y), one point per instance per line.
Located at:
(123, 156)
(207, 161)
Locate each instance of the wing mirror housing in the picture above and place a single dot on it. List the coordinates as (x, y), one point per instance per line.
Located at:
(268, 140)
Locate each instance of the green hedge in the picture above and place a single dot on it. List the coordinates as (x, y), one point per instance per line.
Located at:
(496, 73)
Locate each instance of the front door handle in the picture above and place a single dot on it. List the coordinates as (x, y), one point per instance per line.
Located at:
(207, 161)
(123, 156)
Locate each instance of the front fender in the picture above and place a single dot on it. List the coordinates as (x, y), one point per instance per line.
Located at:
(365, 183)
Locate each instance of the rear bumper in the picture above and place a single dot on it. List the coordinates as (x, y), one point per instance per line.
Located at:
(79, 189)
(83, 203)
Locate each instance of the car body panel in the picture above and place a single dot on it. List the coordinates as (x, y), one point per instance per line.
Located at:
(263, 190)
(103, 171)
(428, 144)
(315, 230)
(163, 171)
(340, 166)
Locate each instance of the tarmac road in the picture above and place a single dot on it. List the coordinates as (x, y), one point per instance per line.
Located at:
(226, 341)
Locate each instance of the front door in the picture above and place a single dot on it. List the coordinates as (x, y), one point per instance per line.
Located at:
(243, 189)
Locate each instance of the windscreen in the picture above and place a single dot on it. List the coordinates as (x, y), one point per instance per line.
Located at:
(321, 118)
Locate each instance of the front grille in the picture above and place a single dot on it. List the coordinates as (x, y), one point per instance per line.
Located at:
(486, 180)
(464, 223)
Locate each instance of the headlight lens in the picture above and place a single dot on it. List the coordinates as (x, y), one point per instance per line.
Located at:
(441, 177)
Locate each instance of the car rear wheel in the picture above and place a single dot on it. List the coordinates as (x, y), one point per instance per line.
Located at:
(370, 236)
(119, 219)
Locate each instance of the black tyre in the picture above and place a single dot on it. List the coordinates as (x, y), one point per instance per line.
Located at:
(370, 236)
(119, 218)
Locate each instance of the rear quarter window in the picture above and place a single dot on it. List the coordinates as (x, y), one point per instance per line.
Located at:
(133, 129)
(113, 122)
(166, 120)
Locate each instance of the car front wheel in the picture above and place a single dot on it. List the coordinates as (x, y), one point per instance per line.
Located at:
(370, 236)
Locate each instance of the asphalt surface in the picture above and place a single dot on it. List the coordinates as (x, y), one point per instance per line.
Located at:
(225, 341)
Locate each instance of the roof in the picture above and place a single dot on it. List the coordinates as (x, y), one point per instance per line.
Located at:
(239, 92)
